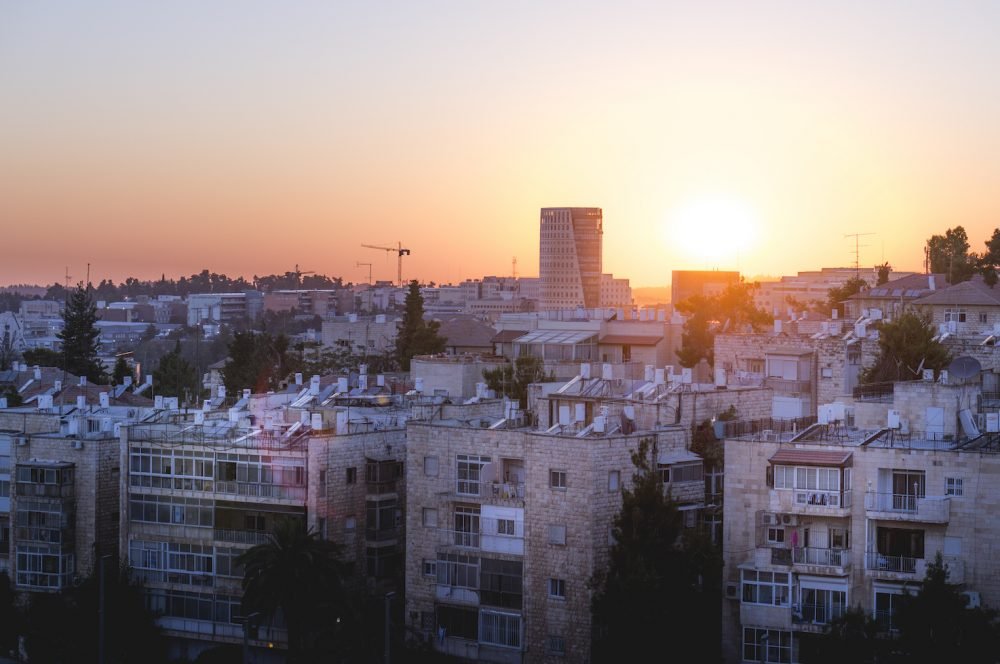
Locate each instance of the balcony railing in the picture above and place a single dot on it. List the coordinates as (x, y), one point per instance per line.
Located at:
(381, 534)
(826, 557)
(873, 392)
(885, 563)
(494, 492)
(461, 538)
(251, 537)
(908, 506)
(823, 498)
(381, 486)
(786, 386)
(255, 490)
(817, 614)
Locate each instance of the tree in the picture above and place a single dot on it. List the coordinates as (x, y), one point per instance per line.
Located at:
(883, 271)
(121, 371)
(416, 336)
(13, 397)
(906, 347)
(662, 582)
(63, 628)
(849, 638)
(257, 361)
(8, 347)
(299, 576)
(936, 626)
(835, 296)
(512, 380)
(731, 310)
(949, 253)
(43, 357)
(175, 377)
(80, 337)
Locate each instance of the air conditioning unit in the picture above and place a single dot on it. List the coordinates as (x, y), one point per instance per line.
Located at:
(789, 520)
(20, 441)
(769, 519)
(972, 599)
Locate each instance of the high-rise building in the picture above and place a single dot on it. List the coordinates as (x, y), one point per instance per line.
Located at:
(570, 257)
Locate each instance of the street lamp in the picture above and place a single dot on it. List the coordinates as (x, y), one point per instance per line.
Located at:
(248, 623)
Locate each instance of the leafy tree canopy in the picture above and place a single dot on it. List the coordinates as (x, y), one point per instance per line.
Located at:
(512, 380)
(949, 254)
(906, 347)
(836, 296)
(731, 310)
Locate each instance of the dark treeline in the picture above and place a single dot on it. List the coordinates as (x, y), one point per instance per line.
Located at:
(202, 282)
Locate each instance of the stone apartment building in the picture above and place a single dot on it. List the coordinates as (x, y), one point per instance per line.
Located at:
(843, 515)
(506, 525)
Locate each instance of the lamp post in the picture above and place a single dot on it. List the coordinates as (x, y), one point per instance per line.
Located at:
(248, 624)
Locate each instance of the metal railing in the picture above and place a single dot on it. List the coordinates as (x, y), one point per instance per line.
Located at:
(815, 556)
(765, 428)
(257, 490)
(817, 613)
(823, 498)
(179, 434)
(787, 386)
(233, 536)
(461, 538)
(934, 508)
(874, 392)
(885, 563)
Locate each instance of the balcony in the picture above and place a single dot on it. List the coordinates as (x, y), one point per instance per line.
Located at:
(247, 537)
(902, 507)
(786, 386)
(811, 617)
(462, 539)
(510, 494)
(256, 490)
(381, 534)
(815, 503)
(894, 567)
(835, 560)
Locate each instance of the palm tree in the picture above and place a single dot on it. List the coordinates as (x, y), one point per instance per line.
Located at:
(297, 575)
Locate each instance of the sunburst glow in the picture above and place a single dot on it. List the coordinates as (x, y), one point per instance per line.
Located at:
(713, 229)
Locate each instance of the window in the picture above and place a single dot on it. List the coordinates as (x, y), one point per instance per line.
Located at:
(775, 535)
(500, 629)
(505, 527)
(767, 645)
(953, 486)
(322, 478)
(431, 466)
(469, 475)
(458, 622)
(350, 524)
(430, 517)
(557, 535)
(352, 475)
(4, 488)
(954, 315)
(840, 538)
(555, 645)
(430, 568)
(254, 522)
(887, 601)
(770, 588)
(821, 605)
(501, 583)
(614, 478)
(557, 588)
(557, 479)
(467, 525)
(687, 472)
(458, 570)
(984, 317)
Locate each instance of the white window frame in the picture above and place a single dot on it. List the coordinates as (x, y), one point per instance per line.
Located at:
(557, 588)
(765, 588)
(954, 486)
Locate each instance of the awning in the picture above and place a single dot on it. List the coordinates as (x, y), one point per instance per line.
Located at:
(506, 336)
(796, 457)
(557, 337)
(630, 340)
(677, 456)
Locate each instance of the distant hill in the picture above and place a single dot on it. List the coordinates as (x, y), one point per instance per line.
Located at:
(648, 296)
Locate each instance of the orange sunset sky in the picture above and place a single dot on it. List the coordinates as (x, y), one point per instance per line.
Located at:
(245, 137)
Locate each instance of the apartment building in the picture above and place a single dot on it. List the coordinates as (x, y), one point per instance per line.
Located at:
(226, 308)
(849, 512)
(361, 334)
(507, 524)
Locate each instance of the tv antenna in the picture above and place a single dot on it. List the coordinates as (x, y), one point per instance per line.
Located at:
(513, 267)
(857, 250)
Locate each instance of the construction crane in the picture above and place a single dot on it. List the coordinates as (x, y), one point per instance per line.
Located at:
(298, 274)
(400, 252)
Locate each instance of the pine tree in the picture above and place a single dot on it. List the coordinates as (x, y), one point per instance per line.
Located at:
(121, 371)
(80, 337)
(416, 336)
(175, 377)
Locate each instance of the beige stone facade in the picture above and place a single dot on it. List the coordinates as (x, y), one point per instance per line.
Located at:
(504, 530)
(842, 517)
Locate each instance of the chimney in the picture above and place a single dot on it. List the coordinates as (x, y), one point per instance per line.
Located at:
(380, 380)
(930, 281)
(104, 399)
(342, 385)
(81, 402)
(298, 379)
(314, 385)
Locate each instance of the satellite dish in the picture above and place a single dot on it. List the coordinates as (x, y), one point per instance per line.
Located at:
(964, 367)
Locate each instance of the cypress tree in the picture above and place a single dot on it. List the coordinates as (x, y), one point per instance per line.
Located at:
(80, 337)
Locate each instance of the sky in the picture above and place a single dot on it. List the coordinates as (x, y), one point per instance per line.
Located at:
(149, 138)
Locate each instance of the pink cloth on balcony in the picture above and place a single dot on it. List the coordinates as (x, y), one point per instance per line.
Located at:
(795, 539)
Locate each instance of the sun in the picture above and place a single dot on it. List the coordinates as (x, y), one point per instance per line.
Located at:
(713, 228)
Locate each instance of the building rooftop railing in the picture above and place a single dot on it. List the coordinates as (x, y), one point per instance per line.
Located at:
(764, 429)
(196, 434)
(874, 392)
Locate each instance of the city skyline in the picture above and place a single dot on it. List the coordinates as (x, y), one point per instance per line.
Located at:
(246, 138)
